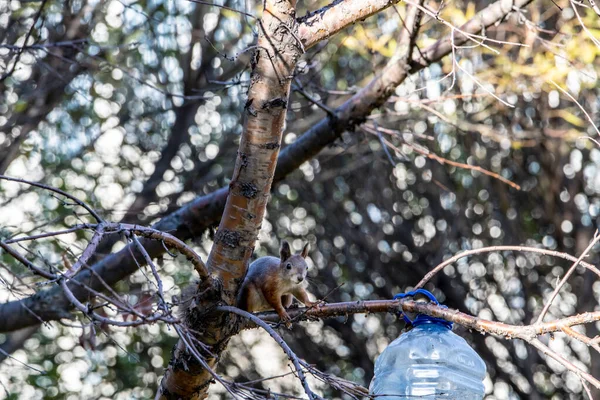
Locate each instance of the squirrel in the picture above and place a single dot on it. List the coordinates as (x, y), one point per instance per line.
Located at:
(272, 283)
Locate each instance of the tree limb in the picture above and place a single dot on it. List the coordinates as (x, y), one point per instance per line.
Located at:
(329, 20)
(291, 355)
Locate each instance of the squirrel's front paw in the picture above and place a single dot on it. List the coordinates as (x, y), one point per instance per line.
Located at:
(310, 304)
(285, 318)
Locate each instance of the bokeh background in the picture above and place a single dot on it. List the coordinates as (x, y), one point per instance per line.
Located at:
(136, 107)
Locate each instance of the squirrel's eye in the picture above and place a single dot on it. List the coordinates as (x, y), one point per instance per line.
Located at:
(289, 266)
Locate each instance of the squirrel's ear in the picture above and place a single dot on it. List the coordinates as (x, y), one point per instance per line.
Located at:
(304, 253)
(284, 251)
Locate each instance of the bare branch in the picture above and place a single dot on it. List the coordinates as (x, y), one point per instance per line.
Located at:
(570, 96)
(291, 355)
(492, 249)
(51, 234)
(566, 363)
(172, 242)
(20, 52)
(56, 190)
(36, 270)
(329, 20)
(566, 277)
(432, 156)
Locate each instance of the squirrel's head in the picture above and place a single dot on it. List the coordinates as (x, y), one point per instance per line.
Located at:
(293, 266)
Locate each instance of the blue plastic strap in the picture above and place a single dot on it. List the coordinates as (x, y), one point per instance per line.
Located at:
(416, 292)
(422, 318)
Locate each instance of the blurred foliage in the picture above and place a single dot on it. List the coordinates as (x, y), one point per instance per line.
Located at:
(112, 96)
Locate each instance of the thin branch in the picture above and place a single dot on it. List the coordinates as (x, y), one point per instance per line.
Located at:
(192, 349)
(51, 234)
(291, 355)
(578, 105)
(443, 160)
(207, 3)
(585, 28)
(170, 241)
(298, 88)
(37, 270)
(565, 363)
(478, 39)
(581, 337)
(87, 310)
(159, 284)
(595, 7)
(566, 277)
(89, 250)
(492, 249)
(56, 190)
(20, 52)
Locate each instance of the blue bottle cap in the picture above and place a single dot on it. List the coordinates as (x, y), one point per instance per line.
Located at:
(422, 319)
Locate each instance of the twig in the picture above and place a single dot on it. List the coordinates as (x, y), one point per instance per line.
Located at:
(56, 190)
(206, 3)
(595, 7)
(88, 311)
(581, 337)
(443, 160)
(7, 355)
(168, 240)
(52, 234)
(16, 61)
(192, 349)
(491, 249)
(566, 277)
(564, 362)
(585, 28)
(479, 39)
(292, 356)
(89, 250)
(159, 284)
(579, 105)
(299, 89)
(37, 270)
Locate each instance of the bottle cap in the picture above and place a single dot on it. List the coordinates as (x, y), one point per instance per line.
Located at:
(422, 319)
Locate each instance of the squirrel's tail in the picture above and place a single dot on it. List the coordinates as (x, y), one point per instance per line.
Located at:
(242, 299)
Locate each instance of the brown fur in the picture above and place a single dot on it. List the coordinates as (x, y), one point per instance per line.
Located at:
(270, 284)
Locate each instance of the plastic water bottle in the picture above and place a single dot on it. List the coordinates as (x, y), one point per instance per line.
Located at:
(429, 362)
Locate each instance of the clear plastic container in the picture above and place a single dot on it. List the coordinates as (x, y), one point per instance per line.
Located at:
(429, 362)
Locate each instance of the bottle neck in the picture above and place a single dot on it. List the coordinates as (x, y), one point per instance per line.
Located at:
(426, 320)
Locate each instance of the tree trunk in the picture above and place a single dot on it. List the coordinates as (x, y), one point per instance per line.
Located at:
(277, 51)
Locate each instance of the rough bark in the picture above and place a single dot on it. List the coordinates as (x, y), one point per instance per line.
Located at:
(277, 53)
(329, 20)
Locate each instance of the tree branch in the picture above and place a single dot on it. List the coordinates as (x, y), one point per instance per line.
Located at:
(80, 203)
(291, 355)
(500, 329)
(356, 109)
(528, 333)
(329, 20)
(493, 249)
